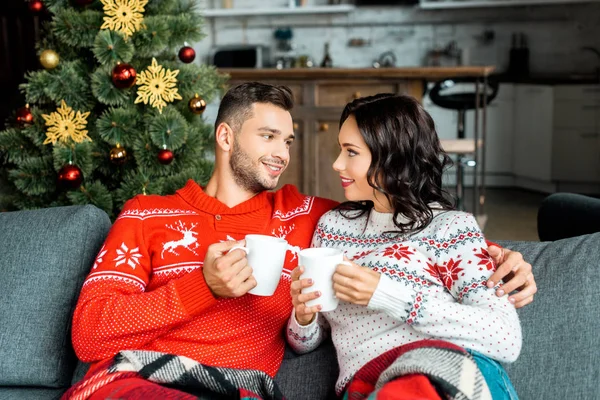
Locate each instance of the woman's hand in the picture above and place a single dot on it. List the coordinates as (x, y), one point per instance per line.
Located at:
(304, 314)
(516, 274)
(355, 284)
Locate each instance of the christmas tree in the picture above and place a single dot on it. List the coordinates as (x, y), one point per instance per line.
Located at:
(114, 111)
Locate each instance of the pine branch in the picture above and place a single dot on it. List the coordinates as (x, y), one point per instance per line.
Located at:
(119, 125)
(186, 7)
(70, 82)
(154, 39)
(36, 132)
(17, 147)
(36, 86)
(134, 184)
(203, 80)
(34, 176)
(200, 173)
(49, 41)
(169, 128)
(78, 153)
(77, 29)
(56, 5)
(104, 89)
(185, 27)
(110, 47)
(145, 151)
(95, 193)
(107, 172)
(157, 7)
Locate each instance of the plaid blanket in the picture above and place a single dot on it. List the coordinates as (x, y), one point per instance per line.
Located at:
(426, 369)
(181, 373)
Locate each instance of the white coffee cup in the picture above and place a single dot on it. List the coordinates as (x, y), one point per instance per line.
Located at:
(266, 256)
(319, 265)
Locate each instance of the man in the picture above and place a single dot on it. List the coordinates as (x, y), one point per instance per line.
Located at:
(165, 280)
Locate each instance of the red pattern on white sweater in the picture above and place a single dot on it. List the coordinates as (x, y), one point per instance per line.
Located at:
(146, 290)
(432, 286)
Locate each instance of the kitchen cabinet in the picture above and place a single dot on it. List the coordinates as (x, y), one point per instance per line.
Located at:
(533, 132)
(294, 173)
(557, 138)
(576, 139)
(326, 181)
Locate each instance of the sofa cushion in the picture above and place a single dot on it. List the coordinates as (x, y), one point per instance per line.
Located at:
(561, 340)
(29, 393)
(309, 376)
(44, 258)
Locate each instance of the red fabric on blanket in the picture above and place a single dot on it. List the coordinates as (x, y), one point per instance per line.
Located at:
(138, 389)
(103, 384)
(409, 387)
(412, 386)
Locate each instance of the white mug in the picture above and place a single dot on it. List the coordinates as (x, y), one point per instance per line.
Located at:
(266, 256)
(319, 265)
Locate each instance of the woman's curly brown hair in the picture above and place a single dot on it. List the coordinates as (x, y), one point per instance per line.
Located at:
(407, 158)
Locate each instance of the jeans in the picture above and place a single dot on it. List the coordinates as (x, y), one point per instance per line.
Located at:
(495, 376)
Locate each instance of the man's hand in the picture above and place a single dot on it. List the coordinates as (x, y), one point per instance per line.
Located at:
(516, 273)
(355, 284)
(304, 314)
(227, 273)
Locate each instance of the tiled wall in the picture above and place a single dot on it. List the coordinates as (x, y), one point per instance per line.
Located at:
(555, 33)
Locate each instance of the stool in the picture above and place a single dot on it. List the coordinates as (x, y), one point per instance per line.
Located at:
(461, 102)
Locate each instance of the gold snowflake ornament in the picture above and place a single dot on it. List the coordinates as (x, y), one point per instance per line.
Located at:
(125, 16)
(157, 86)
(65, 124)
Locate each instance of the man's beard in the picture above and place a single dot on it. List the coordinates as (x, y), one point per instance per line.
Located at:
(246, 174)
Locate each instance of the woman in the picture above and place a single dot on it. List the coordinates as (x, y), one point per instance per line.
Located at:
(419, 269)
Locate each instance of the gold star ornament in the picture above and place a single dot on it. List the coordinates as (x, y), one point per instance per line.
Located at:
(157, 86)
(125, 16)
(64, 125)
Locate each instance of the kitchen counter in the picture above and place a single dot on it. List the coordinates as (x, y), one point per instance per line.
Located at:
(426, 73)
(552, 79)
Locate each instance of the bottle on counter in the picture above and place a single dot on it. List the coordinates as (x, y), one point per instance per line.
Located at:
(327, 61)
(518, 65)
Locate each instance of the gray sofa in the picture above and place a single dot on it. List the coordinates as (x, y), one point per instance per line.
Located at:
(46, 254)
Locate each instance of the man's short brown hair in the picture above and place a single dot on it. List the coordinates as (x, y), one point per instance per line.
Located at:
(236, 105)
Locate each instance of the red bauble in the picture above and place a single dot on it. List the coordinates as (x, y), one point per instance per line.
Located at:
(187, 54)
(36, 6)
(165, 156)
(123, 76)
(24, 115)
(70, 177)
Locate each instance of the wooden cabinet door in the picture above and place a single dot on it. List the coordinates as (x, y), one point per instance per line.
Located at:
(338, 94)
(326, 181)
(294, 173)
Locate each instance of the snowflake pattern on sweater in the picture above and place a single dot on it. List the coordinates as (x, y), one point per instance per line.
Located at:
(147, 291)
(432, 286)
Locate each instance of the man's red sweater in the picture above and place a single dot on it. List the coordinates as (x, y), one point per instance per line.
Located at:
(147, 291)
